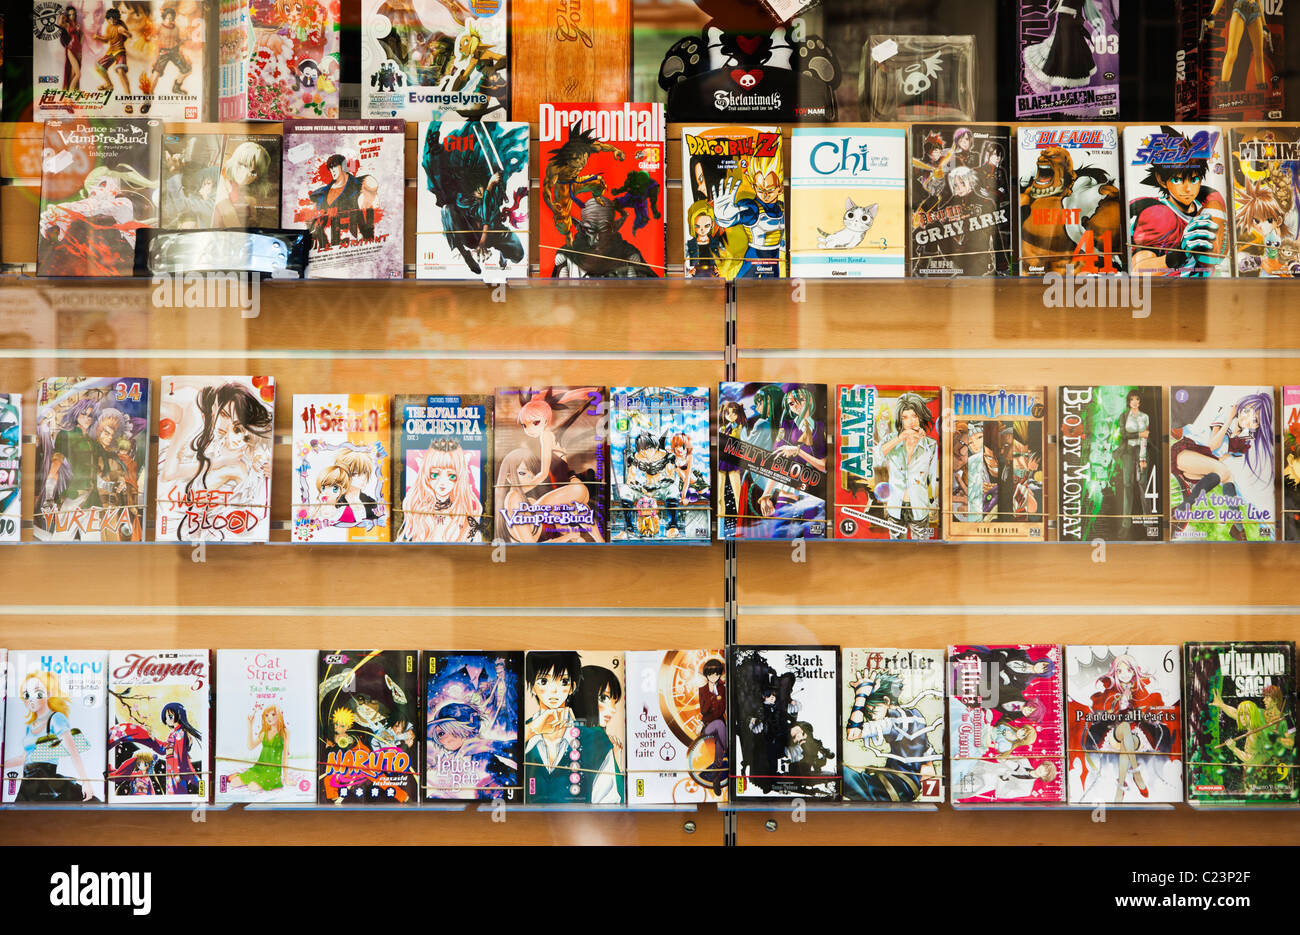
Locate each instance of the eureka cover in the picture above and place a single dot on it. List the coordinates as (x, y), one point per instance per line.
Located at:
(1266, 200)
(265, 725)
(472, 742)
(340, 468)
(11, 467)
(443, 468)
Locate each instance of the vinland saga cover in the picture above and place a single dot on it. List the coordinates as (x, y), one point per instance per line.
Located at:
(11, 466)
(1241, 722)
(215, 180)
(443, 468)
(1291, 463)
(472, 742)
(1069, 59)
(340, 468)
(1266, 200)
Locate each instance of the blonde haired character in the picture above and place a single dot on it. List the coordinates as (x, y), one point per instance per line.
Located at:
(346, 481)
(761, 214)
(48, 738)
(267, 774)
(442, 505)
(243, 177)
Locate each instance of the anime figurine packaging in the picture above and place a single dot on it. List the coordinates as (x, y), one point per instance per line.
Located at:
(1233, 60)
(11, 457)
(443, 471)
(1291, 463)
(1266, 200)
(574, 729)
(904, 79)
(340, 468)
(279, 59)
(472, 741)
(1069, 59)
(214, 180)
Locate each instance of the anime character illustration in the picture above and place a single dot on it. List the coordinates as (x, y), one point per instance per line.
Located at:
(112, 64)
(69, 27)
(1291, 463)
(248, 188)
(341, 468)
(1065, 59)
(472, 741)
(1247, 18)
(596, 248)
(1266, 200)
(707, 245)
(167, 44)
(568, 177)
(677, 726)
(1068, 59)
(444, 453)
(659, 449)
(264, 752)
(11, 437)
(290, 66)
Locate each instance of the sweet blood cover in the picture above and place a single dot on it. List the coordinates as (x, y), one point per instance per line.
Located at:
(11, 454)
(1069, 59)
(442, 473)
(279, 59)
(472, 743)
(1266, 200)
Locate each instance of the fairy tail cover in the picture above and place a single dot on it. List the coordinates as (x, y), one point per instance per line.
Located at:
(442, 473)
(1291, 463)
(473, 708)
(1266, 200)
(11, 464)
(340, 468)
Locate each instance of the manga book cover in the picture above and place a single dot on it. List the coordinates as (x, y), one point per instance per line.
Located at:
(1291, 463)
(574, 728)
(1241, 722)
(55, 727)
(772, 460)
(158, 725)
(368, 727)
(733, 203)
(1234, 55)
(659, 458)
(11, 464)
(1006, 741)
(216, 180)
(1071, 213)
(1175, 184)
(120, 58)
(265, 725)
(1108, 462)
(443, 468)
(340, 468)
(472, 743)
(550, 464)
(1124, 719)
(1266, 200)
(344, 181)
(471, 200)
(961, 201)
(892, 700)
(1222, 472)
(848, 193)
(677, 726)
(92, 459)
(887, 462)
(279, 59)
(994, 452)
(214, 459)
(422, 58)
(99, 185)
(1069, 59)
(603, 190)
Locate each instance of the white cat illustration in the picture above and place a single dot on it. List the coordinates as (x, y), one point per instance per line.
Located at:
(857, 221)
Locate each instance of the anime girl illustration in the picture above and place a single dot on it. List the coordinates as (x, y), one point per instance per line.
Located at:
(140, 763)
(244, 196)
(342, 498)
(566, 758)
(1235, 447)
(732, 423)
(93, 233)
(443, 504)
(69, 26)
(49, 739)
(1247, 17)
(1127, 687)
(272, 743)
(1064, 59)
(597, 702)
(801, 436)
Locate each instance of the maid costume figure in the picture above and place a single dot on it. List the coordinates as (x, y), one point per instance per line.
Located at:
(1064, 59)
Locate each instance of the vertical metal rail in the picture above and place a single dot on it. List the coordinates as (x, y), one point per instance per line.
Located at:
(730, 354)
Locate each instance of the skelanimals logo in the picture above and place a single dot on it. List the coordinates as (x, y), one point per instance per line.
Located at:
(917, 78)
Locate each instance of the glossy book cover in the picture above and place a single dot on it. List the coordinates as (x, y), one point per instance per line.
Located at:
(1266, 200)
(265, 725)
(1291, 463)
(473, 707)
(218, 180)
(1069, 59)
(443, 469)
(11, 466)
(575, 728)
(340, 468)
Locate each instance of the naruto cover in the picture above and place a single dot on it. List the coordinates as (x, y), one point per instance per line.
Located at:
(1291, 464)
(11, 465)
(215, 180)
(574, 729)
(265, 725)
(472, 743)
(1266, 200)
(279, 59)
(1069, 59)
(444, 463)
(340, 468)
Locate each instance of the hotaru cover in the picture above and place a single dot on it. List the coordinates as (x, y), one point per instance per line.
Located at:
(215, 180)
(1266, 200)
(443, 470)
(472, 742)
(1069, 59)
(340, 468)
(11, 455)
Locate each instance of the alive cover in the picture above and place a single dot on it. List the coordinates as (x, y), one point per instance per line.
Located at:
(1069, 59)
(340, 468)
(1241, 723)
(603, 187)
(279, 59)
(1291, 463)
(887, 462)
(11, 466)
(1232, 60)
(92, 459)
(367, 727)
(443, 468)
(659, 456)
(472, 742)
(219, 180)
(1266, 200)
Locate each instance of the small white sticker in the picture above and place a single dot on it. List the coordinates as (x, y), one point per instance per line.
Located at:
(885, 51)
(58, 162)
(298, 153)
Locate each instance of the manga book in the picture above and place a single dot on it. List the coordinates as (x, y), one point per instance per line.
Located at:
(733, 203)
(120, 58)
(1124, 717)
(848, 194)
(677, 726)
(1175, 184)
(422, 58)
(1231, 60)
(1071, 213)
(92, 459)
(265, 725)
(994, 452)
(471, 200)
(216, 180)
(55, 727)
(340, 468)
(99, 185)
(1108, 464)
(904, 79)
(659, 458)
(1291, 463)
(158, 725)
(368, 726)
(603, 190)
(960, 200)
(1240, 723)
(344, 181)
(887, 462)
(443, 468)
(574, 730)
(1266, 200)
(214, 458)
(550, 464)
(279, 59)
(1222, 473)
(893, 726)
(1069, 59)
(1006, 741)
(472, 743)
(11, 466)
(772, 460)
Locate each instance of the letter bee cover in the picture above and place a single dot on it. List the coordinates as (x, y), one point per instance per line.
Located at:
(265, 725)
(1266, 200)
(367, 727)
(11, 464)
(92, 459)
(214, 459)
(575, 724)
(550, 463)
(994, 464)
(340, 468)
(1124, 720)
(345, 182)
(1291, 464)
(1069, 59)
(443, 468)
(279, 59)
(472, 745)
(1108, 460)
(887, 459)
(677, 726)
(1006, 742)
(1236, 67)
(1221, 464)
(892, 701)
(159, 733)
(1241, 723)
(961, 201)
(1177, 209)
(215, 180)
(659, 455)
(55, 727)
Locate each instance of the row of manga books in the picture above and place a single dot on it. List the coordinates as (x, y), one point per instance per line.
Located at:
(1024, 724)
